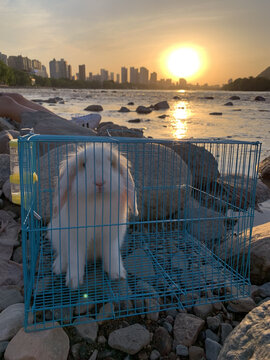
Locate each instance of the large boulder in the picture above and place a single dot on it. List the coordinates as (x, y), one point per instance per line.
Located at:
(51, 344)
(202, 164)
(251, 338)
(4, 168)
(187, 328)
(5, 138)
(162, 105)
(264, 168)
(94, 108)
(46, 123)
(111, 129)
(143, 110)
(237, 248)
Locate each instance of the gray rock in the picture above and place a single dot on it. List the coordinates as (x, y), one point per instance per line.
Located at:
(264, 168)
(212, 349)
(3, 346)
(162, 341)
(111, 129)
(259, 98)
(155, 355)
(18, 255)
(124, 109)
(94, 355)
(172, 312)
(9, 229)
(168, 326)
(5, 138)
(139, 264)
(229, 103)
(130, 339)
(168, 197)
(211, 335)
(6, 124)
(152, 307)
(215, 113)
(213, 322)
(51, 344)
(250, 339)
(11, 273)
(226, 329)
(88, 330)
(102, 340)
(5, 169)
(106, 312)
(181, 350)
(7, 190)
(9, 295)
(264, 290)
(202, 310)
(262, 193)
(162, 105)
(11, 320)
(46, 123)
(179, 261)
(143, 110)
(234, 97)
(94, 108)
(241, 305)
(186, 328)
(196, 353)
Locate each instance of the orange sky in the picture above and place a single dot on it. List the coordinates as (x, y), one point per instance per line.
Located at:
(233, 34)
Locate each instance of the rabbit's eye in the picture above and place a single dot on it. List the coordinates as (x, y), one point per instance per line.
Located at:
(83, 164)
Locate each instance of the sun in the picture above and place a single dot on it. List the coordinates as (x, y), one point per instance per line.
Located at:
(184, 62)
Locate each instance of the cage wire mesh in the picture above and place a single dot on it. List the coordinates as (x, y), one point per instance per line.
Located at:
(117, 227)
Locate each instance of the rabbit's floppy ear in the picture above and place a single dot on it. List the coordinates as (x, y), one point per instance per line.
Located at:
(129, 186)
(66, 177)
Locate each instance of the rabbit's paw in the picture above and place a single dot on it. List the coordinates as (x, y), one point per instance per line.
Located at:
(74, 281)
(115, 274)
(58, 266)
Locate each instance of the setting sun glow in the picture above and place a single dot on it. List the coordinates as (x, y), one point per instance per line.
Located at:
(184, 62)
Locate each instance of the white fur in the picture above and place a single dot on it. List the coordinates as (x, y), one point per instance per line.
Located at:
(80, 228)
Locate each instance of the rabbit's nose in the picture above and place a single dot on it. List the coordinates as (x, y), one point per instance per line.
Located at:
(99, 185)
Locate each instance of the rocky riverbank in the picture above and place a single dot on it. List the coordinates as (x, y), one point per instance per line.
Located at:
(223, 330)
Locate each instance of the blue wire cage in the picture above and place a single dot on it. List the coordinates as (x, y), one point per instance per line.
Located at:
(116, 227)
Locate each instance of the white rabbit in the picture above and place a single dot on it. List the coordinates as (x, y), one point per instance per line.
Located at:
(93, 194)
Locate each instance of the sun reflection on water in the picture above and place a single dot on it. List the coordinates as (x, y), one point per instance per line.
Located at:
(180, 114)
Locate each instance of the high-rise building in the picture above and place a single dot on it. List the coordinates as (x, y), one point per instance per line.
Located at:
(182, 83)
(124, 75)
(3, 58)
(104, 75)
(82, 73)
(144, 74)
(58, 69)
(20, 63)
(54, 69)
(36, 64)
(133, 75)
(153, 77)
(112, 76)
(118, 78)
(63, 70)
(90, 77)
(69, 72)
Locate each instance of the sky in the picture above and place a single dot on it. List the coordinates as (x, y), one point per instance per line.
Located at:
(232, 36)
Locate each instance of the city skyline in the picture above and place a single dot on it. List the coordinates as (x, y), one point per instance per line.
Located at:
(233, 35)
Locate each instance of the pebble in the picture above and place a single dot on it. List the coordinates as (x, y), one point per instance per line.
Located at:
(9, 295)
(211, 335)
(155, 355)
(106, 312)
(101, 339)
(153, 306)
(196, 353)
(181, 350)
(264, 290)
(162, 341)
(172, 312)
(168, 326)
(130, 339)
(94, 355)
(213, 322)
(241, 305)
(225, 331)
(11, 320)
(87, 331)
(186, 328)
(51, 344)
(202, 310)
(212, 349)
